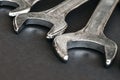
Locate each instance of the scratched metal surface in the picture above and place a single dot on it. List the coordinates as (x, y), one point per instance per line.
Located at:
(29, 56)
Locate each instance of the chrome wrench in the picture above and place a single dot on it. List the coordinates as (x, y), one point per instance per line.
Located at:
(91, 33)
(54, 17)
(23, 6)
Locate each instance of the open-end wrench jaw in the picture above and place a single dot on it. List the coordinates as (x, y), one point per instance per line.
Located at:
(53, 18)
(57, 24)
(21, 6)
(85, 39)
(91, 33)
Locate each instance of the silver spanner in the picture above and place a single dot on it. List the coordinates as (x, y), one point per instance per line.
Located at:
(23, 6)
(91, 35)
(54, 17)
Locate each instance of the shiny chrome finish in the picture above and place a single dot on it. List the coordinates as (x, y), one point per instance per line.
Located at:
(92, 33)
(54, 17)
(23, 6)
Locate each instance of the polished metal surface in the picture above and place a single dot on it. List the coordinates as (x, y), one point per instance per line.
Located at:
(30, 56)
(54, 17)
(91, 33)
(23, 6)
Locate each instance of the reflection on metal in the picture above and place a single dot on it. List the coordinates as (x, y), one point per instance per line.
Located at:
(92, 32)
(54, 17)
(23, 6)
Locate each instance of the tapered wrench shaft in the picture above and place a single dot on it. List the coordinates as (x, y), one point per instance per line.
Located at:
(100, 17)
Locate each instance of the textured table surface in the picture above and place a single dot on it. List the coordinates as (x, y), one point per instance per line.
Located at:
(29, 56)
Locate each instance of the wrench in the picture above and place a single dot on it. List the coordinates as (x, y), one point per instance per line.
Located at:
(54, 17)
(23, 6)
(91, 35)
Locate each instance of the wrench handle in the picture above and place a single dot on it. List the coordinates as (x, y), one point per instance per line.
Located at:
(100, 17)
(65, 7)
(32, 2)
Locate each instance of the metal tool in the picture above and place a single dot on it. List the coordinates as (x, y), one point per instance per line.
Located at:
(91, 35)
(23, 6)
(54, 17)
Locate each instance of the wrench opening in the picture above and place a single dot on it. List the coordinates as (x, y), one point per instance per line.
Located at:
(82, 45)
(36, 22)
(9, 4)
(86, 45)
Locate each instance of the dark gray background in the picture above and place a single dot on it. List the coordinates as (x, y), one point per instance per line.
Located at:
(29, 56)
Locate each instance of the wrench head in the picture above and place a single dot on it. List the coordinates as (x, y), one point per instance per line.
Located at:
(21, 6)
(85, 40)
(57, 24)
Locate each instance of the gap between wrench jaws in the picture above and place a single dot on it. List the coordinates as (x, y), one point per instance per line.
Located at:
(91, 35)
(22, 6)
(53, 18)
